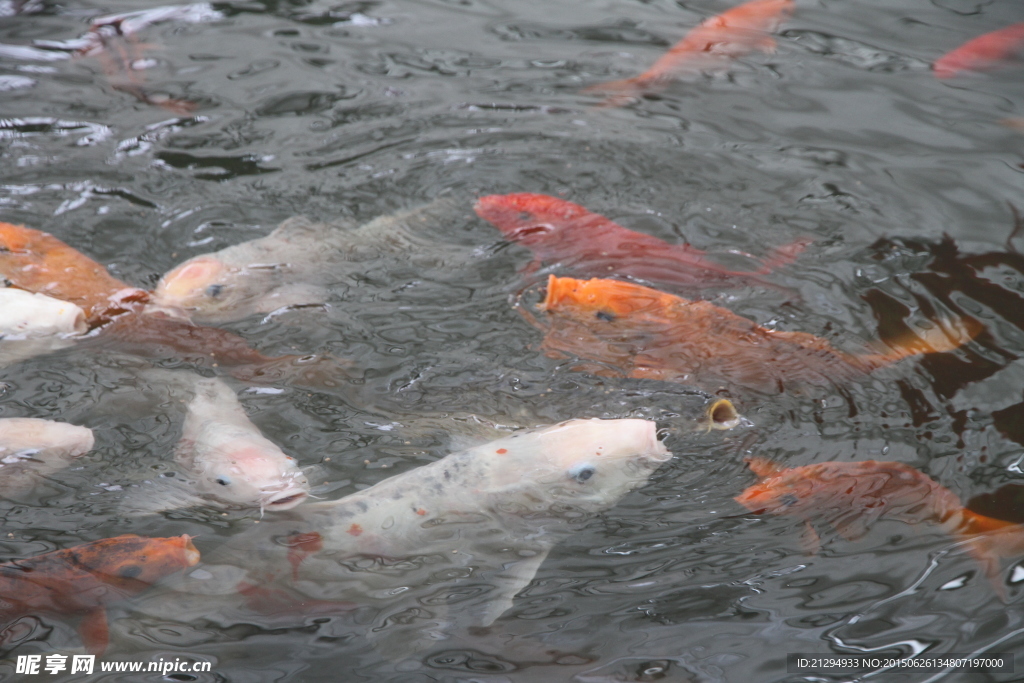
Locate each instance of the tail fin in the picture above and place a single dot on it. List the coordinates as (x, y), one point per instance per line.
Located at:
(940, 339)
(619, 93)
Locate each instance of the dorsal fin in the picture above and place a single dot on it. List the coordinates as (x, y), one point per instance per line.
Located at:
(300, 228)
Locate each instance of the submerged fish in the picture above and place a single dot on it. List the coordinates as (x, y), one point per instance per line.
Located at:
(227, 458)
(39, 262)
(984, 52)
(476, 524)
(723, 37)
(559, 231)
(289, 267)
(645, 333)
(852, 496)
(31, 449)
(81, 581)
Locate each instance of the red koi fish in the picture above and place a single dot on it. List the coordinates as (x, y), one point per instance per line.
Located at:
(984, 52)
(851, 496)
(729, 35)
(645, 333)
(80, 581)
(39, 262)
(557, 230)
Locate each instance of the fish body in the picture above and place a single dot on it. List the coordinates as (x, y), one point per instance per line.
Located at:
(80, 581)
(31, 449)
(556, 230)
(852, 496)
(984, 52)
(478, 522)
(227, 457)
(645, 333)
(290, 266)
(728, 35)
(39, 262)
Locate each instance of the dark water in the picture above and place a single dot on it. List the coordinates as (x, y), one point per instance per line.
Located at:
(843, 135)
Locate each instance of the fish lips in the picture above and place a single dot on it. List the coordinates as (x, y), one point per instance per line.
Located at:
(284, 500)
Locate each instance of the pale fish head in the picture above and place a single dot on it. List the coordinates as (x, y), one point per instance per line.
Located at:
(253, 472)
(584, 464)
(205, 286)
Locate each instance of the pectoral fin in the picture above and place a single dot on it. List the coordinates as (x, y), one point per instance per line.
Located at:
(94, 631)
(508, 581)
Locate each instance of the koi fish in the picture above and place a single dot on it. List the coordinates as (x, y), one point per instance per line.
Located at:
(39, 262)
(557, 230)
(852, 496)
(984, 52)
(290, 266)
(223, 454)
(33, 324)
(646, 333)
(726, 36)
(80, 581)
(31, 449)
(479, 522)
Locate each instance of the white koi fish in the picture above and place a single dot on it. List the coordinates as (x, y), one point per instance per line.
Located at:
(445, 545)
(224, 458)
(34, 324)
(31, 449)
(288, 267)
(229, 458)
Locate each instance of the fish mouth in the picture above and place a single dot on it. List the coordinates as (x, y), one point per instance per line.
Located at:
(285, 500)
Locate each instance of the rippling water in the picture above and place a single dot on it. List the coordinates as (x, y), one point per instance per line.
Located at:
(197, 134)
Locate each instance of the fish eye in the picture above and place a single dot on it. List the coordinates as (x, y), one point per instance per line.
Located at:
(581, 473)
(607, 317)
(223, 481)
(214, 290)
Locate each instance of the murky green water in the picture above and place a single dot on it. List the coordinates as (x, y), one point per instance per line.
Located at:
(354, 110)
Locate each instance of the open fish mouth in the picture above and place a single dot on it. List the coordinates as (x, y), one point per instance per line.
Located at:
(284, 500)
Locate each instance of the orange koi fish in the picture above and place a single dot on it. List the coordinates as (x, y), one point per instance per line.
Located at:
(984, 52)
(39, 262)
(82, 580)
(851, 496)
(557, 230)
(731, 34)
(650, 334)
